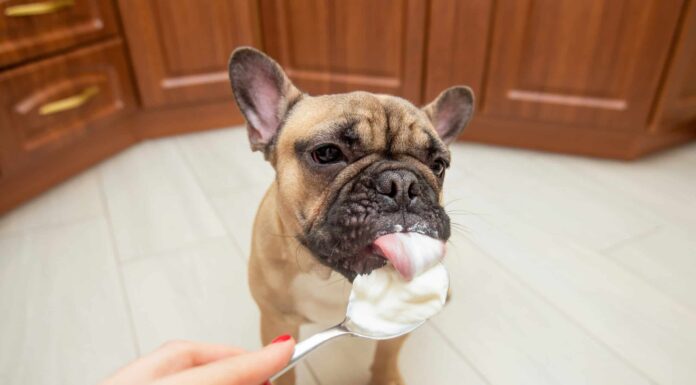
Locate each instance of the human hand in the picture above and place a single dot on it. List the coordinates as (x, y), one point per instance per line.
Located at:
(193, 363)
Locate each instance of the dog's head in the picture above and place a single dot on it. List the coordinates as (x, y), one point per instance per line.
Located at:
(349, 167)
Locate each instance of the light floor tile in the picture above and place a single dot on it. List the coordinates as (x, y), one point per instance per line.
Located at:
(545, 193)
(348, 360)
(63, 319)
(513, 336)
(199, 293)
(223, 160)
(662, 184)
(637, 322)
(154, 201)
(238, 211)
(75, 199)
(666, 258)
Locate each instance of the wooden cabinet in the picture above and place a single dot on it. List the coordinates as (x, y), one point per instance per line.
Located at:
(593, 63)
(457, 45)
(51, 105)
(30, 28)
(180, 48)
(610, 78)
(571, 76)
(338, 46)
(65, 89)
(677, 106)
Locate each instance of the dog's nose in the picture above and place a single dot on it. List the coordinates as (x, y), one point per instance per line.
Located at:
(399, 185)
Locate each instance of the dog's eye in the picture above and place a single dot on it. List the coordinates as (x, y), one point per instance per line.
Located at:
(439, 168)
(328, 154)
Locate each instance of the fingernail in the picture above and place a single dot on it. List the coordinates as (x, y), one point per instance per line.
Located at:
(282, 338)
(267, 382)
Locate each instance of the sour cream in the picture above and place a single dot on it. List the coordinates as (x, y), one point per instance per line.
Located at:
(384, 303)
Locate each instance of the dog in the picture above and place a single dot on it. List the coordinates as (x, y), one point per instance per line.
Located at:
(348, 168)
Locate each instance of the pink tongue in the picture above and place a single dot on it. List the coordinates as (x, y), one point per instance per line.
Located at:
(410, 253)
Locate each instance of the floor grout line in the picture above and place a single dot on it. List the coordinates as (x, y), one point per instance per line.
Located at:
(625, 241)
(48, 226)
(163, 254)
(459, 353)
(117, 264)
(208, 199)
(563, 313)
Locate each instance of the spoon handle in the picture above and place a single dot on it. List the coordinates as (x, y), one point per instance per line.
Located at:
(305, 347)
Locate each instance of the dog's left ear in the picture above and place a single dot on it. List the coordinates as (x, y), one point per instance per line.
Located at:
(451, 111)
(263, 93)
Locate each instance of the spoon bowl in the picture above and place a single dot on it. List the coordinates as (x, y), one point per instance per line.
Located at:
(345, 328)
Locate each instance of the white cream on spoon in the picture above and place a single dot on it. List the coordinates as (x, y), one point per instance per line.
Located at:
(391, 301)
(382, 302)
(407, 291)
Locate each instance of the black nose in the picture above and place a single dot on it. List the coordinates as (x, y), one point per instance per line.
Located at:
(399, 185)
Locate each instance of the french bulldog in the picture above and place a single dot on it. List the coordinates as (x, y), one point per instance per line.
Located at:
(349, 168)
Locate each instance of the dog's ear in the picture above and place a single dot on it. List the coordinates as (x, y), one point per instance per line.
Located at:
(451, 111)
(263, 93)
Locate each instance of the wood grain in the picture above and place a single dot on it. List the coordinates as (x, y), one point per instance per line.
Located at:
(36, 150)
(457, 46)
(677, 103)
(26, 37)
(341, 46)
(602, 53)
(579, 140)
(180, 49)
(28, 135)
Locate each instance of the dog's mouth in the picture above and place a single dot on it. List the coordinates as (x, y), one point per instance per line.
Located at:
(369, 258)
(409, 253)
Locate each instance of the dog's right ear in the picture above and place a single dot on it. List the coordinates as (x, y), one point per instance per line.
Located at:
(263, 93)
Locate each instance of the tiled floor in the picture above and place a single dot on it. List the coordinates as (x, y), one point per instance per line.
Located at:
(565, 270)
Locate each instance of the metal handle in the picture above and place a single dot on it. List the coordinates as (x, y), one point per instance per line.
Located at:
(69, 103)
(305, 347)
(40, 8)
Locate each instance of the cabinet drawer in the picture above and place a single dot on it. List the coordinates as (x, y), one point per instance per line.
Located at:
(54, 103)
(29, 28)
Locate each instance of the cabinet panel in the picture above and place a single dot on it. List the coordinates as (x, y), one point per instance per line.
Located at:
(51, 25)
(594, 63)
(180, 48)
(339, 46)
(48, 106)
(677, 106)
(457, 45)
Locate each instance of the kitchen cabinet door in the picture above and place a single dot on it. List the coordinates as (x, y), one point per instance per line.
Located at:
(457, 45)
(339, 46)
(590, 63)
(33, 28)
(180, 48)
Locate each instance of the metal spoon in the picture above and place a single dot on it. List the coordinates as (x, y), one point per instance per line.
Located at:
(345, 328)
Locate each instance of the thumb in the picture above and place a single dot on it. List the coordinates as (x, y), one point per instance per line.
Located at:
(244, 369)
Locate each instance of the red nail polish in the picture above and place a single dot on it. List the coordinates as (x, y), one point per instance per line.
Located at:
(267, 382)
(282, 338)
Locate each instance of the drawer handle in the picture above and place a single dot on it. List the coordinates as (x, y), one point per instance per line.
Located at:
(40, 8)
(69, 103)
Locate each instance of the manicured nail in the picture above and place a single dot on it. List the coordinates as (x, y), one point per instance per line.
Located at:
(282, 338)
(267, 382)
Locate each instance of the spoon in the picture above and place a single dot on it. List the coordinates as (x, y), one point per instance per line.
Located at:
(345, 328)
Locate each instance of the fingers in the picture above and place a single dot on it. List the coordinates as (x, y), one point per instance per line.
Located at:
(171, 357)
(185, 354)
(244, 369)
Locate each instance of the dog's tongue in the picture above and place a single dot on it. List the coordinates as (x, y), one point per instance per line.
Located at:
(410, 253)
